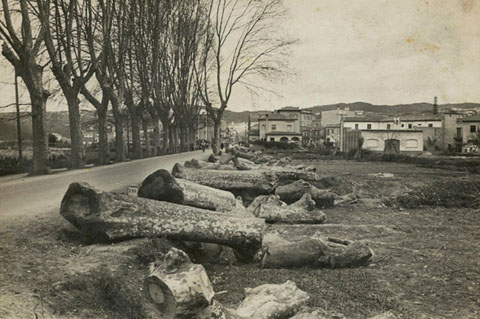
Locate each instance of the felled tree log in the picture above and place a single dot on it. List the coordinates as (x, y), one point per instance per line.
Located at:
(317, 252)
(272, 301)
(161, 185)
(177, 288)
(241, 154)
(109, 216)
(237, 182)
(217, 311)
(272, 200)
(292, 192)
(206, 165)
(302, 211)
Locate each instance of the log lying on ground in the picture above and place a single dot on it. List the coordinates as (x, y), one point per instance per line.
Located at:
(217, 311)
(237, 182)
(317, 252)
(302, 211)
(207, 165)
(109, 216)
(272, 301)
(293, 192)
(161, 185)
(272, 200)
(177, 288)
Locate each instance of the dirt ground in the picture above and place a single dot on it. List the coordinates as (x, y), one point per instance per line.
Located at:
(426, 263)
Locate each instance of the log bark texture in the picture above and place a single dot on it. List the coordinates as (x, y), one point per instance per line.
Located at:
(177, 288)
(108, 216)
(237, 182)
(302, 211)
(293, 192)
(161, 185)
(289, 252)
(272, 301)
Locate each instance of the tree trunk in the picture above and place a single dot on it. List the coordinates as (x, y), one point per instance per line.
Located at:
(137, 152)
(240, 183)
(216, 136)
(156, 136)
(108, 216)
(301, 212)
(178, 288)
(161, 185)
(172, 138)
(103, 149)
(77, 154)
(293, 192)
(120, 155)
(146, 137)
(287, 249)
(40, 141)
(272, 301)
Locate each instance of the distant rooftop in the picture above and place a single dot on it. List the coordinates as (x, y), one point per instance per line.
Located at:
(289, 108)
(276, 117)
(474, 118)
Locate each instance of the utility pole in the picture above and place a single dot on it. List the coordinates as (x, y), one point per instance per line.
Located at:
(19, 128)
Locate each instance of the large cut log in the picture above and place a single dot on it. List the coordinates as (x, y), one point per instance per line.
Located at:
(272, 301)
(237, 182)
(217, 311)
(241, 154)
(109, 216)
(207, 165)
(161, 185)
(284, 252)
(272, 200)
(177, 288)
(293, 192)
(302, 211)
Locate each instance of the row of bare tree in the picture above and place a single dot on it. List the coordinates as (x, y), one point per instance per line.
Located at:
(162, 60)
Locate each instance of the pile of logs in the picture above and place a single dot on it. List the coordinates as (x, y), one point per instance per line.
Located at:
(203, 202)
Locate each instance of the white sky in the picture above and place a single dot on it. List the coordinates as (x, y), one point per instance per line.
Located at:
(376, 51)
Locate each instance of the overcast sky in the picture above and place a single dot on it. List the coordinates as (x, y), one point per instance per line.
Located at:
(376, 51)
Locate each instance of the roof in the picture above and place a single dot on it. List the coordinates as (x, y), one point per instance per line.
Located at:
(395, 131)
(289, 108)
(367, 119)
(421, 118)
(283, 133)
(276, 117)
(475, 118)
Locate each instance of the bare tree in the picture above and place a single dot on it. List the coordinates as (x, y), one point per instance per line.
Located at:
(70, 63)
(21, 47)
(244, 43)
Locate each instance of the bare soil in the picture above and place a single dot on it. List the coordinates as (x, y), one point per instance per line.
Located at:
(426, 263)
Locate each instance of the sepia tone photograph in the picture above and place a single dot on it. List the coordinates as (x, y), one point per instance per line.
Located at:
(236, 159)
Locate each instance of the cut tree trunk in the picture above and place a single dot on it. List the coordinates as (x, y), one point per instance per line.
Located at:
(208, 165)
(108, 216)
(272, 301)
(177, 288)
(293, 192)
(280, 251)
(302, 211)
(161, 185)
(240, 183)
(217, 311)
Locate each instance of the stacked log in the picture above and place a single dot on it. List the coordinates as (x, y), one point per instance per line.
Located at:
(162, 186)
(293, 192)
(302, 211)
(108, 216)
(177, 288)
(240, 183)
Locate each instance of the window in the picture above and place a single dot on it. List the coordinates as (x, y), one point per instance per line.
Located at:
(272, 139)
(389, 126)
(274, 127)
(369, 126)
(403, 125)
(430, 125)
(356, 126)
(473, 128)
(459, 131)
(419, 124)
(410, 125)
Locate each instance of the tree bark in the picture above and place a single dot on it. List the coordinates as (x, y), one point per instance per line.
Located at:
(108, 216)
(120, 155)
(156, 135)
(272, 301)
(240, 183)
(286, 249)
(178, 288)
(216, 135)
(103, 149)
(77, 153)
(162, 186)
(38, 99)
(146, 136)
(302, 211)
(293, 192)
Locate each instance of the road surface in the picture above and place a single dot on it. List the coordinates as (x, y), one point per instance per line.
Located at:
(21, 195)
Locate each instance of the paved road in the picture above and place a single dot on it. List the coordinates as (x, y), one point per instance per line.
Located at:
(21, 195)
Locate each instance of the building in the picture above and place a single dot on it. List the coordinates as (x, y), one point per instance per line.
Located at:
(399, 140)
(468, 132)
(334, 116)
(276, 127)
